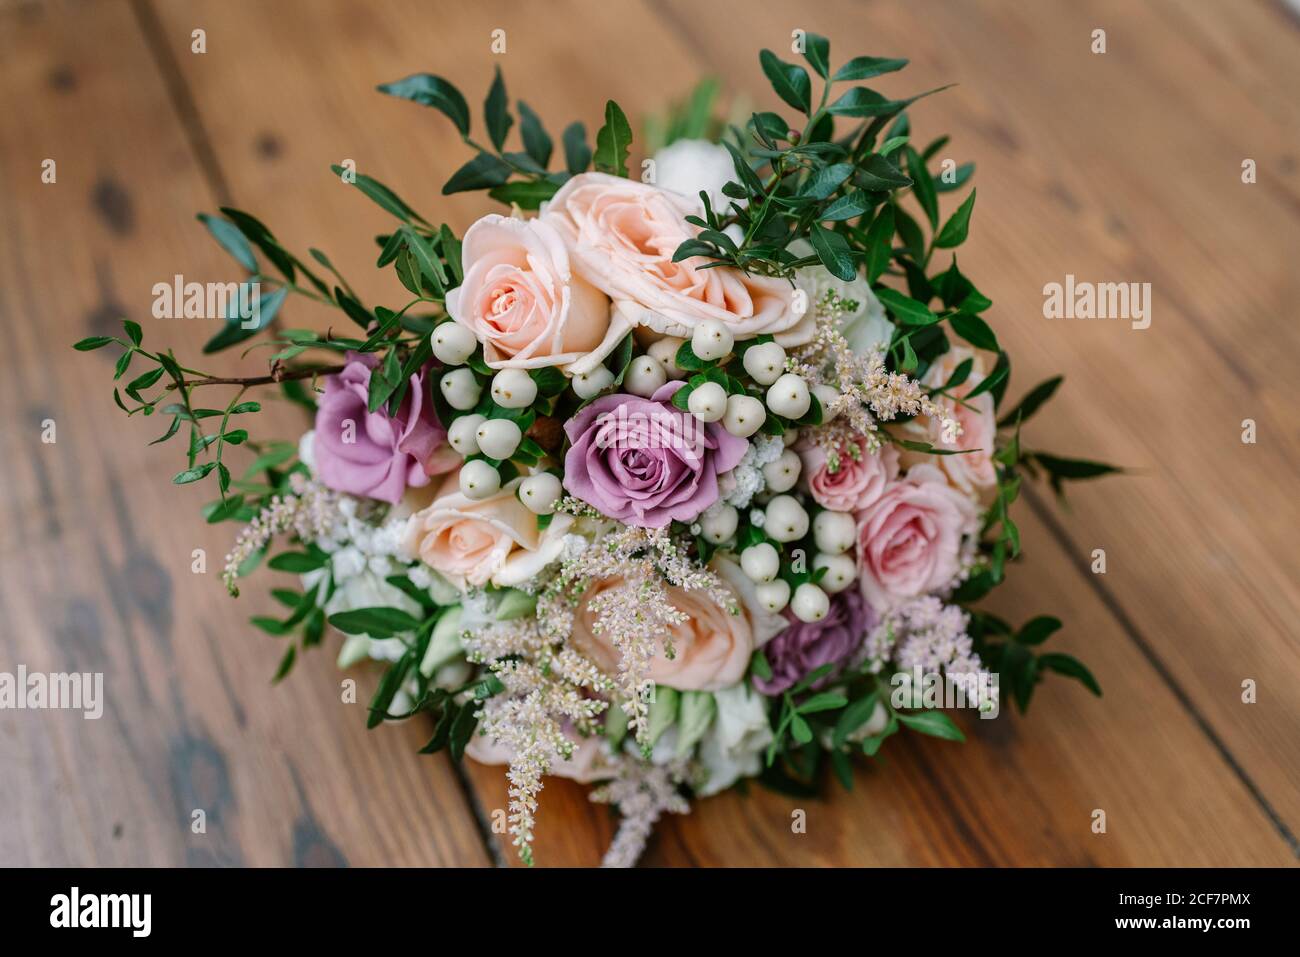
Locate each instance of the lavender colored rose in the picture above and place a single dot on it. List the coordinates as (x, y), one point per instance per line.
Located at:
(804, 647)
(644, 462)
(369, 453)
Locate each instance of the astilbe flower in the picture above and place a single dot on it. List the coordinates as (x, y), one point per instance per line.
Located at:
(310, 512)
(869, 394)
(549, 687)
(927, 635)
(643, 793)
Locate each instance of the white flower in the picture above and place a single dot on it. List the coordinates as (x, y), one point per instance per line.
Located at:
(733, 746)
(688, 166)
(307, 450)
(866, 327)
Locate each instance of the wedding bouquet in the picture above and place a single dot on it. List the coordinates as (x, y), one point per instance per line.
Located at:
(662, 477)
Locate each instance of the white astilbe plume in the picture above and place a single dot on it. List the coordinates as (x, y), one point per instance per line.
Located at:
(869, 394)
(549, 689)
(310, 512)
(643, 793)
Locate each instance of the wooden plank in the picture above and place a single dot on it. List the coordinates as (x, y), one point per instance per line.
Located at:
(95, 572)
(304, 83)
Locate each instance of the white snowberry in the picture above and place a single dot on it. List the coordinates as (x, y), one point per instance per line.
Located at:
(810, 603)
(743, 416)
(540, 492)
(665, 352)
(479, 480)
(788, 396)
(461, 436)
(708, 402)
(453, 343)
(498, 438)
(765, 362)
(513, 389)
(826, 394)
(782, 473)
(712, 340)
(841, 571)
(834, 532)
(588, 384)
(786, 520)
(773, 595)
(717, 525)
(644, 376)
(460, 388)
(760, 562)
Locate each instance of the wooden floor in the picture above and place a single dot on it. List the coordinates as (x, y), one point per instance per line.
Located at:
(1124, 166)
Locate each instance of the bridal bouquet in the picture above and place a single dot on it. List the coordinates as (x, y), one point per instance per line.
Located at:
(660, 478)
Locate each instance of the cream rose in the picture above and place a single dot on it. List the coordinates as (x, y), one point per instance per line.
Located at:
(974, 471)
(622, 235)
(712, 647)
(494, 539)
(523, 301)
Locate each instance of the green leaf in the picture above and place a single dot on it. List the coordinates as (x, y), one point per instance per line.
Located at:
(934, 723)
(1072, 668)
(286, 665)
(695, 714)
(975, 331)
(923, 187)
(91, 343)
(1073, 468)
(905, 308)
(826, 181)
(298, 562)
(1033, 401)
(194, 474)
(496, 111)
(537, 143)
(880, 235)
(613, 141)
(527, 194)
(879, 174)
(377, 622)
(855, 716)
(577, 154)
(389, 685)
(233, 332)
(861, 101)
(231, 240)
(826, 701)
(865, 67)
(382, 196)
(956, 181)
(482, 172)
(833, 251)
(955, 229)
(849, 206)
(800, 730)
(429, 90)
(817, 51)
(1038, 630)
(790, 82)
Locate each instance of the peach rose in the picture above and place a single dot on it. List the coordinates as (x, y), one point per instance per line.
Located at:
(712, 646)
(854, 483)
(494, 539)
(910, 539)
(522, 300)
(974, 471)
(622, 235)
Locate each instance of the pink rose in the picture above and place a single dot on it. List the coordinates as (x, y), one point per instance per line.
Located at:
(622, 235)
(909, 540)
(712, 647)
(522, 300)
(472, 542)
(853, 483)
(974, 471)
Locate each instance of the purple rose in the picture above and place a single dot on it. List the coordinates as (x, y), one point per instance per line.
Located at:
(645, 462)
(368, 453)
(804, 647)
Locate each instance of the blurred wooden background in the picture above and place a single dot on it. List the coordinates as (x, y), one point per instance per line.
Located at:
(1124, 166)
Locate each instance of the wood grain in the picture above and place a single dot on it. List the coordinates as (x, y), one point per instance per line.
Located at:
(1118, 167)
(95, 572)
